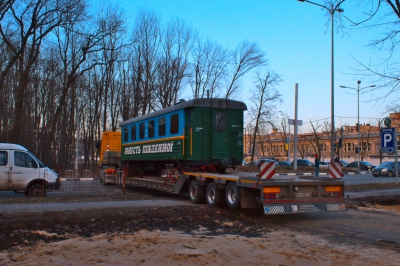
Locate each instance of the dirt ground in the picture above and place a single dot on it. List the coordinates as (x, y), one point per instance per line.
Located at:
(367, 233)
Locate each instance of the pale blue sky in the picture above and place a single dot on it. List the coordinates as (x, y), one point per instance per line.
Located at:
(297, 42)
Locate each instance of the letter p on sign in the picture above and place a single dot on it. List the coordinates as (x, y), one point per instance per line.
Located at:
(387, 138)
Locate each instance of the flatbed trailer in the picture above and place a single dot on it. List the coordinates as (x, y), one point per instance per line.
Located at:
(278, 195)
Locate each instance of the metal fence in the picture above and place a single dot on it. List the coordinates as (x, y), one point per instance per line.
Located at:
(86, 183)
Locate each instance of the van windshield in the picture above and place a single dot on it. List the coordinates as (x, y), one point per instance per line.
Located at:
(41, 165)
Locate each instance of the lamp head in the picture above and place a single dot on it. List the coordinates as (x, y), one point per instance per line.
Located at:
(358, 82)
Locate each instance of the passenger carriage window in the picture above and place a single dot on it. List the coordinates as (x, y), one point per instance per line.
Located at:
(161, 127)
(3, 158)
(220, 122)
(126, 133)
(141, 130)
(174, 129)
(23, 159)
(151, 128)
(133, 132)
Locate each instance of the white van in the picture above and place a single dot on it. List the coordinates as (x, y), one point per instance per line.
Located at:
(21, 171)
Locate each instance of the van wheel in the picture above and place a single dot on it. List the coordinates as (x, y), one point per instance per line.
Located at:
(232, 196)
(213, 195)
(36, 191)
(196, 192)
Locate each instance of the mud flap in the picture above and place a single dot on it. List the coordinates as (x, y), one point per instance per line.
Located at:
(249, 198)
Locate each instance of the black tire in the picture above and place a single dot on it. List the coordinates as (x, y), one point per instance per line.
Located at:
(390, 174)
(36, 191)
(213, 195)
(232, 196)
(196, 192)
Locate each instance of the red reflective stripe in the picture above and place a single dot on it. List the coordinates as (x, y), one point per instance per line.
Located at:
(335, 171)
(267, 170)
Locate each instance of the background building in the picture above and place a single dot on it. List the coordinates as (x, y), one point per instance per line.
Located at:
(275, 145)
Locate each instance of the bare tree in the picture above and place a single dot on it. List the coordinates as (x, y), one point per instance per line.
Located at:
(147, 44)
(302, 147)
(365, 136)
(209, 61)
(385, 15)
(264, 96)
(315, 141)
(246, 57)
(326, 130)
(172, 65)
(34, 20)
(4, 7)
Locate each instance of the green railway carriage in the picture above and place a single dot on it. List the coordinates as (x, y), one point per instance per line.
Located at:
(191, 134)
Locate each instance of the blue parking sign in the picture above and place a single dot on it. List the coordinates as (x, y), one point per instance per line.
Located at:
(387, 139)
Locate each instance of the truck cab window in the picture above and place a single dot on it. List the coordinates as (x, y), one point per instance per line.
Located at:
(3, 158)
(24, 160)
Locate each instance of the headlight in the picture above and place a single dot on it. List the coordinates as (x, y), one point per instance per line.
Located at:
(384, 170)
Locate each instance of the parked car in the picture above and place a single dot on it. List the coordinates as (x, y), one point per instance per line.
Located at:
(386, 169)
(363, 165)
(266, 160)
(344, 163)
(303, 162)
(284, 163)
(323, 164)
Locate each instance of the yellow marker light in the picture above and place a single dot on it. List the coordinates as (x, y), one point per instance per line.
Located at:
(333, 189)
(272, 190)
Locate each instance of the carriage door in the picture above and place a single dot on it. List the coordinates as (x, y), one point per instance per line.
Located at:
(189, 142)
(220, 139)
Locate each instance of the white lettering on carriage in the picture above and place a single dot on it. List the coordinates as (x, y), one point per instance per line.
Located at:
(132, 150)
(158, 148)
(152, 148)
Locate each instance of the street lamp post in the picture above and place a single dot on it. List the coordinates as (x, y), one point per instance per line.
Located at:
(287, 139)
(358, 116)
(331, 10)
(77, 132)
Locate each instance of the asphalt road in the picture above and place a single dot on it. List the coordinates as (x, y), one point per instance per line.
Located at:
(367, 178)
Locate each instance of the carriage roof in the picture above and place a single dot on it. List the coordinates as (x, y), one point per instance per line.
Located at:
(200, 102)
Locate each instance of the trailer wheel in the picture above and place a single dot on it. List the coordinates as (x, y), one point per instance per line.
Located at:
(232, 196)
(36, 191)
(196, 192)
(213, 195)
